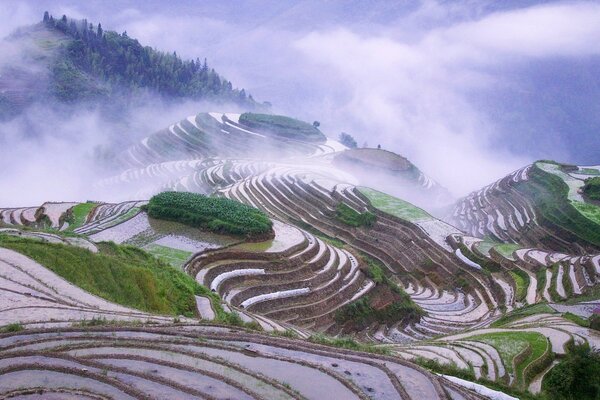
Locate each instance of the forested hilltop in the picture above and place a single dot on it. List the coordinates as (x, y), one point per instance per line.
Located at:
(79, 61)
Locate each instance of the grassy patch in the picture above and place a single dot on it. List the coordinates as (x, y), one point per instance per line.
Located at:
(521, 282)
(214, 214)
(124, 275)
(590, 211)
(540, 276)
(523, 312)
(394, 206)
(507, 249)
(349, 216)
(279, 125)
(14, 327)
(511, 344)
(577, 319)
(175, 257)
(79, 215)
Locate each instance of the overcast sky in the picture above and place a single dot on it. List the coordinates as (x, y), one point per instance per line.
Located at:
(468, 90)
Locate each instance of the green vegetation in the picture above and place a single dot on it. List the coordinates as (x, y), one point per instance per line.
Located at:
(446, 369)
(592, 188)
(595, 322)
(577, 377)
(14, 327)
(175, 257)
(215, 214)
(507, 249)
(588, 171)
(349, 216)
(550, 194)
(93, 63)
(521, 282)
(347, 140)
(347, 343)
(523, 312)
(540, 276)
(522, 348)
(577, 319)
(394, 206)
(279, 125)
(363, 312)
(468, 374)
(552, 289)
(590, 211)
(125, 275)
(487, 264)
(78, 215)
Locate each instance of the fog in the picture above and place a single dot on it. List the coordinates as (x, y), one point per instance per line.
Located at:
(456, 87)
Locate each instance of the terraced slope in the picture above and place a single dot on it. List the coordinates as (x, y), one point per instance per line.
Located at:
(202, 361)
(393, 173)
(214, 134)
(537, 206)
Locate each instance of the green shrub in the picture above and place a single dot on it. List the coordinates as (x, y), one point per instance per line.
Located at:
(351, 217)
(211, 213)
(577, 319)
(595, 322)
(577, 377)
(521, 282)
(279, 125)
(592, 188)
(14, 327)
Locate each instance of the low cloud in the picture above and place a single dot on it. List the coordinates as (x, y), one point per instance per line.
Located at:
(411, 78)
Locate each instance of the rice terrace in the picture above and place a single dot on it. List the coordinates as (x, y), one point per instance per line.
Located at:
(254, 255)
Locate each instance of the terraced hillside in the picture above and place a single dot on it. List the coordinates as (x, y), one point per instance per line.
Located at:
(539, 205)
(216, 134)
(202, 361)
(500, 297)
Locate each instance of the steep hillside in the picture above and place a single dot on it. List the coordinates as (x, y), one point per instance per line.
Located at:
(73, 61)
(543, 204)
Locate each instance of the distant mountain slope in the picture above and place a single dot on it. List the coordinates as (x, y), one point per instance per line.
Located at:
(70, 61)
(542, 204)
(395, 174)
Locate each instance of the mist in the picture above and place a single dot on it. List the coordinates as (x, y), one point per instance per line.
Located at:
(453, 86)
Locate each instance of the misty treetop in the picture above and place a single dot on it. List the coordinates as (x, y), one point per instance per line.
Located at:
(347, 140)
(118, 61)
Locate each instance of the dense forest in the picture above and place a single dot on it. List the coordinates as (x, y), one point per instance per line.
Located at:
(96, 63)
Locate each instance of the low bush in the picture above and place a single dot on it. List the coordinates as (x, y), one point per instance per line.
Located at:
(592, 188)
(595, 322)
(15, 327)
(214, 214)
(577, 377)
